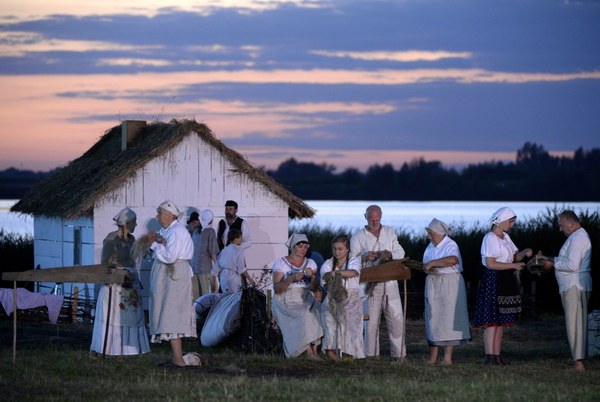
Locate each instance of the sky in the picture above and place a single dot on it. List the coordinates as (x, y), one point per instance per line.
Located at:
(342, 82)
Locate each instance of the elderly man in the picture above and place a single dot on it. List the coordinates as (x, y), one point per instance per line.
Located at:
(171, 315)
(376, 243)
(232, 221)
(573, 274)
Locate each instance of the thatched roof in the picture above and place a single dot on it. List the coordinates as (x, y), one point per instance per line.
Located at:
(72, 191)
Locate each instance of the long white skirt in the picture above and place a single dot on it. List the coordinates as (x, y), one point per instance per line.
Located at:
(347, 334)
(446, 316)
(172, 314)
(297, 314)
(127, 333)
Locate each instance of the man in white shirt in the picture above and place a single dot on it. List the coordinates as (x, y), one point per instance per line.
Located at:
(572, 268)
(376, 243)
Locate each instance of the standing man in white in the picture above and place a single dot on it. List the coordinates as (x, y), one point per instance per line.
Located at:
(573, 273)
(375, 243)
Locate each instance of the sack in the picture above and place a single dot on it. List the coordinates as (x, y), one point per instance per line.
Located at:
(223, 320)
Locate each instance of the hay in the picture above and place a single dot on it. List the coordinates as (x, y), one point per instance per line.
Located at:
(73, 190)
(258, 332)
(337, 295)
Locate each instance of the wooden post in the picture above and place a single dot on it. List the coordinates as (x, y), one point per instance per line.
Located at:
(74, 305)
(14, 322)
(109, 311)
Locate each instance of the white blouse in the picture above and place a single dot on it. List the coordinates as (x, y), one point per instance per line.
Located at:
(283, 265)
(353, 264)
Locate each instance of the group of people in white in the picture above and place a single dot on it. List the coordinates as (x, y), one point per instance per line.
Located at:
(327, 311)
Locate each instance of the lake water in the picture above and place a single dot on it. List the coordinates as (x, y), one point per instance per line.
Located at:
(410, 216)
(413, 216)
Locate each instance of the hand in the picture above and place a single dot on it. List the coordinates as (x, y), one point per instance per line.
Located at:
(548, 265)
(309, 272)
(518, 266)
(428, 267)
(528, 252)
(372, 256)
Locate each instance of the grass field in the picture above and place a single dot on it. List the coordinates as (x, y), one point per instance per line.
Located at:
(53, 364)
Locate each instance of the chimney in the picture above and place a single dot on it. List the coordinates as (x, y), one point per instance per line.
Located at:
(129, 130)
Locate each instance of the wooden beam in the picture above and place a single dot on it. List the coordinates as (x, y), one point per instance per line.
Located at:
(388, 271)
(100, 273)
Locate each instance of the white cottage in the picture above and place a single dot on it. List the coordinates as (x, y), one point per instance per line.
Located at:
(139, 166)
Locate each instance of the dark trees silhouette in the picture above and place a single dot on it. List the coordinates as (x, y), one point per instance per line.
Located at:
(534, 176)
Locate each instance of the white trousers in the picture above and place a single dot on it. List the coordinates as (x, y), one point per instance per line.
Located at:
(385, 297)
(575, 303)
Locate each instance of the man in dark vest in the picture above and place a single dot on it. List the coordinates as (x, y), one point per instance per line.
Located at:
(232, 221)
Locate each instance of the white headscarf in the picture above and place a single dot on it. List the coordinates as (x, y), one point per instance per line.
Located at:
(501, 215)
(294, 239)
(170, 207)
(439, 227)
(124, 216)
(206, 218)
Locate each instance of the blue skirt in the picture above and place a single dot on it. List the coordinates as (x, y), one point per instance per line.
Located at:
(496, 308)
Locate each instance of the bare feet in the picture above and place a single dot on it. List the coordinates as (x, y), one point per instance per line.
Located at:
(331, 354)
(447, 363)
(578, 366)
(312, 354)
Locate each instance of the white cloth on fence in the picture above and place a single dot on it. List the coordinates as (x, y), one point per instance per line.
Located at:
(593, 335)
(27, 299)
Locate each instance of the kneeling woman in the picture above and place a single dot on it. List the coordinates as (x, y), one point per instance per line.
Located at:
(341, 311)
(294, 305)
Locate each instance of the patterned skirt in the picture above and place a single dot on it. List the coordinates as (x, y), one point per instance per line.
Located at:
(498, 299)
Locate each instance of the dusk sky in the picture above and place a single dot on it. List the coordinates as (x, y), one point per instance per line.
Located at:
(348, 83)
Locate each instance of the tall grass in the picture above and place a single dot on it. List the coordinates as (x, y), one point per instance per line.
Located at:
(540, 234)
(16, 254)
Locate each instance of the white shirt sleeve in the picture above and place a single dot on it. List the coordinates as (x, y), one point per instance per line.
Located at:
(178, 245)
(246, 237)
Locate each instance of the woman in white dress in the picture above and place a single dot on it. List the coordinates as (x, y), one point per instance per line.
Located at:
(446, 315)
(342, 311)
(126, 333)
(172, 317)
(294, 306)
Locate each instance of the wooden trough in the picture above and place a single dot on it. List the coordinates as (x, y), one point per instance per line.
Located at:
(388, 271)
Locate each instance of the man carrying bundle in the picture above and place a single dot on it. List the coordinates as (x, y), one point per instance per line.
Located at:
(377, 243)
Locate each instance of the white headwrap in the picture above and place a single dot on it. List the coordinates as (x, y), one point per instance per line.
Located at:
(170, 207)
(124, 216)
(294, 239)
(206, 218)
(439, 227)
(501, 215)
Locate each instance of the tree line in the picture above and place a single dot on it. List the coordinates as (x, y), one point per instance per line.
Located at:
(534, 176)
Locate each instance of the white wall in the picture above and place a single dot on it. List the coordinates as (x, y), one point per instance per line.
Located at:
(195, 176)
